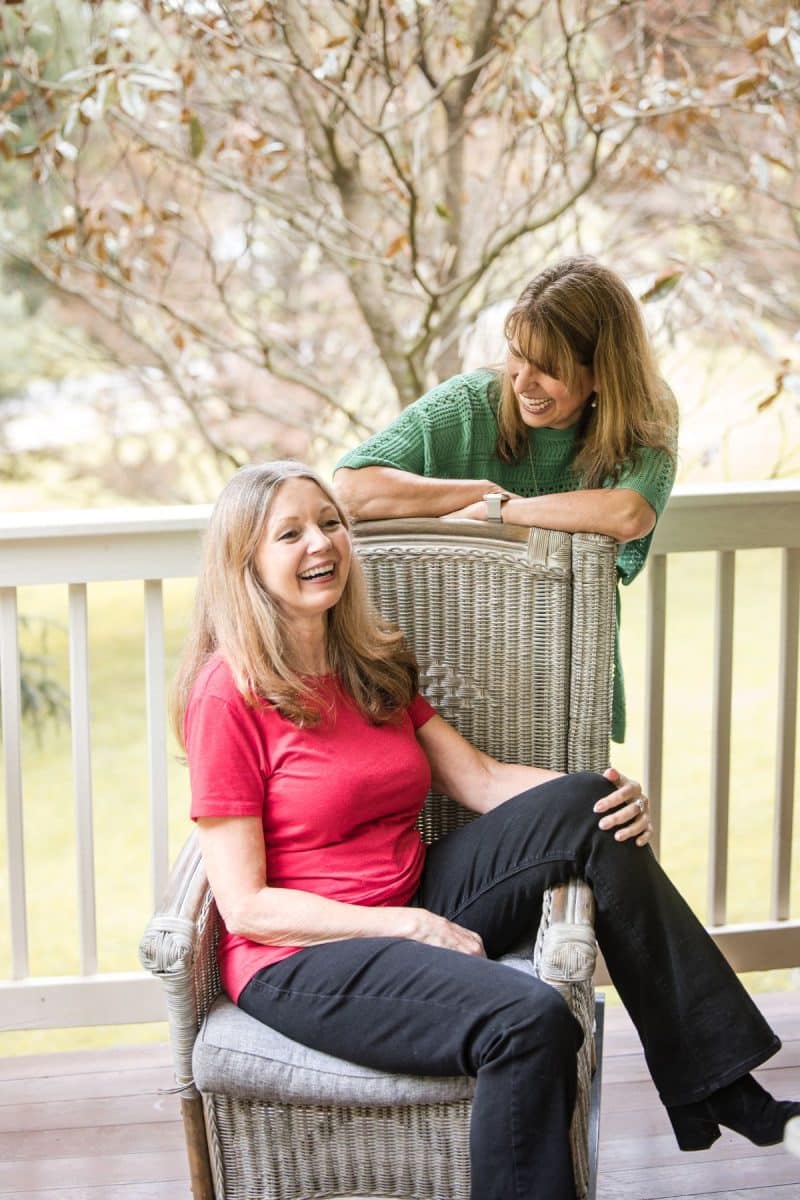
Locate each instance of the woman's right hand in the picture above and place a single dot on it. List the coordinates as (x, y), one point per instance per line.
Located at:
(421, 925)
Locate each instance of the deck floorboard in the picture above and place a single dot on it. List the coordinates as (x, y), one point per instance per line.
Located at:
(99, 1125)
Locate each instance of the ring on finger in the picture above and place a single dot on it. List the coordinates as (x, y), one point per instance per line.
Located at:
(640, 803)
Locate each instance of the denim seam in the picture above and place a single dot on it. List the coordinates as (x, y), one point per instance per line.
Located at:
(526, 864)
(349, 995)
(514, 1127)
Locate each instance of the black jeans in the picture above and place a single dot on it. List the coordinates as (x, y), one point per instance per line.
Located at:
(406, 1007)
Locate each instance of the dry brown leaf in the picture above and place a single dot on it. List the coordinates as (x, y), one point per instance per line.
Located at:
(748, 84)
(663, 283)
(14, 100)
(61, 231)
(758, 41)
(396, 245)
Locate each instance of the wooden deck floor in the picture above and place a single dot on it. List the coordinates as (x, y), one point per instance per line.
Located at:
(639, 1159)
(94, 1126)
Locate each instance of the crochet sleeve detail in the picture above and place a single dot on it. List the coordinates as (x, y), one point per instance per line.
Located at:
(652, 475)
(429, 437)
(401, 445)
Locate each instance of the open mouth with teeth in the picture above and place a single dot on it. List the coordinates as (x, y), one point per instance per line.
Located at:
(319, 574)
(535, 404)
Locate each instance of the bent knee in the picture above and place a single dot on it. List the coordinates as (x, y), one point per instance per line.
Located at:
(546, 1016)
(590, 784)
(578, 793)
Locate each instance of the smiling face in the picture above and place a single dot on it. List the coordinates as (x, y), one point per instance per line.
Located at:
(303, 558)
(544, 401)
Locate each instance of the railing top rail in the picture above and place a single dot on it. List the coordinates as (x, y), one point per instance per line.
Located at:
(725, 516)
(101, 545)
(744, 492)
(102, 522)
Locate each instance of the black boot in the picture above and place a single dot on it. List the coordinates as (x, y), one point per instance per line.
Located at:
(743, 1106)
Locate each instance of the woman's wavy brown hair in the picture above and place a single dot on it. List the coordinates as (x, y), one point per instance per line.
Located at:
(579, 313)
(235, 616)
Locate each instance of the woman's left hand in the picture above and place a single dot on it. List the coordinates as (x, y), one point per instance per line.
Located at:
(627, 809)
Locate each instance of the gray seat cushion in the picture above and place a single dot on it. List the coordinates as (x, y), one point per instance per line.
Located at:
(235, 1055)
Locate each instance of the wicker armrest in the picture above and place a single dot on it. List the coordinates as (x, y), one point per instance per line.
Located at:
(564, 958)
(566, 948)
(179, 946)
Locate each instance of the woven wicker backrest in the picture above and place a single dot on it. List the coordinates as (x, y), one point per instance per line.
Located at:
(594, 600)
(489, 613)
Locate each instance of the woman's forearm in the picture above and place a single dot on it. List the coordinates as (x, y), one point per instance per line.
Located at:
(285, 917)
(372, 493)
(509, 779)
(289, 917)
(619, 512)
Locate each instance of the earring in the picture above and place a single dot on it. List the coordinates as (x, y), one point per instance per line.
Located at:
(593, 403)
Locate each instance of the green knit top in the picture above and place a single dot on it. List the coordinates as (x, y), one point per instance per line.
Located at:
(451, 433)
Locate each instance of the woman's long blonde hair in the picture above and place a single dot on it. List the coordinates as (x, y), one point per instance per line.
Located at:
(235, 616)
(579, 313)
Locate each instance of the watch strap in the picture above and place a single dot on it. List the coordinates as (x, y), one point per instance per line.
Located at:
(494, 506)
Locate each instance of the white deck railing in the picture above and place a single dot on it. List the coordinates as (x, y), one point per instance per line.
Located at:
(724, 519)
(153, 545)
(79, 548)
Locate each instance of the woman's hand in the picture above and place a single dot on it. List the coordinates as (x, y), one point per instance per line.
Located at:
(627, 809)
(421, 925)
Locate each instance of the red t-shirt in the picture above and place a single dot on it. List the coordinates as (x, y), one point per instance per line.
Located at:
(338, 802)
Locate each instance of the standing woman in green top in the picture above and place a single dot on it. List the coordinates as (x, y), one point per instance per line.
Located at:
(575, 432)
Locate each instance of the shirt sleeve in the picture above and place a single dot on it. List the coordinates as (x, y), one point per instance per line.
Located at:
(437, 435)
(227, 767)
(401, 445)
(652, 475)
(420, 711)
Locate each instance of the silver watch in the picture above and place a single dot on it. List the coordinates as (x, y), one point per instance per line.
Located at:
(494, 506)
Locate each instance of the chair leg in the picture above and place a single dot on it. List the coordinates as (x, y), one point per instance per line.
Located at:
(194, 1128)
(594, 1100)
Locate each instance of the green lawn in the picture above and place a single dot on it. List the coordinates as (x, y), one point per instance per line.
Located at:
(120, 785)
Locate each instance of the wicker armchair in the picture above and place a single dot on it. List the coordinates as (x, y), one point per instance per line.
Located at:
(513, 630)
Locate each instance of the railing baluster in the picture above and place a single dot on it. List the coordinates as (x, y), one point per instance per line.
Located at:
(654, 688)
(10, 678)
(787, 724)
(82, 772)
(721, 738)
(156, 735)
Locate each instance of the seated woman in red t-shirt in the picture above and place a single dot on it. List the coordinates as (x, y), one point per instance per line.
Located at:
(311, 752)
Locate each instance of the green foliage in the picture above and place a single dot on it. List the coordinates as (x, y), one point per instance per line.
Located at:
(43, 698)
(32, 344)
